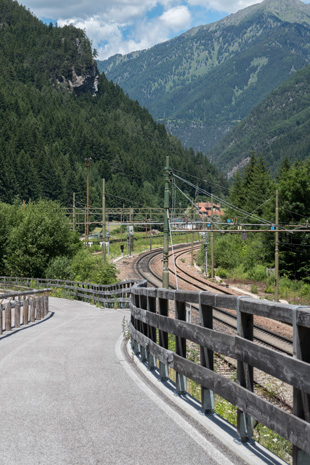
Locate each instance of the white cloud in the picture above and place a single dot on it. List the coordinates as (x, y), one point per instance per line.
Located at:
(176, 18)
(85, 8)
(122, 26)
(144, 33)
(224, 5)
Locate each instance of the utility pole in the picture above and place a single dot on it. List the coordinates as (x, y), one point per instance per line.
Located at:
(150, 230)
(276, 258)
(212, 240)
(192, 235)
(166, 228)
(88, 166)
(206, 248)
(104, 252)
(131, 235)
(73, 213)
(122, 224)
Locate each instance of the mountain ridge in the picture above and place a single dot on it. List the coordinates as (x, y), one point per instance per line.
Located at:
(237, 61)
(48, 127)
(278, 128)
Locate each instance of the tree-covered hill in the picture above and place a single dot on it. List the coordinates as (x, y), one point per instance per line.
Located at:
(205, 81)
(55, 111)
(278, 128)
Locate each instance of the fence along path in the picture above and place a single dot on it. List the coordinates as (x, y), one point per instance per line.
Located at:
(150, 324)
(67, 399)
(22, 308)
(106, 295)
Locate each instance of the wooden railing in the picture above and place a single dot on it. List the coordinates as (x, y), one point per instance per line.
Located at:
(107, 295)
(150, 326)
(22, 308)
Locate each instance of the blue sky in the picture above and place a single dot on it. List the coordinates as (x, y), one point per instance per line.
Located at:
(123, 26)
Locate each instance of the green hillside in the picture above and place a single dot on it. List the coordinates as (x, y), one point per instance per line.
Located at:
(278, 128)
(55, 111)
(205, 81)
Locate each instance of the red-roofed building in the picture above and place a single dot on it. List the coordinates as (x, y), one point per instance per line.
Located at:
(205, 209)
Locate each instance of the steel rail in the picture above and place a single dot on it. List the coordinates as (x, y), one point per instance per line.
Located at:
(261, 334)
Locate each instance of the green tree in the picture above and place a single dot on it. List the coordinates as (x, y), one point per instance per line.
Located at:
(294, 201)
(40, 234)
(251, 189)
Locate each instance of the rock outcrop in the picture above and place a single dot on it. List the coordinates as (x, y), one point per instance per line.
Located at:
(85, 82)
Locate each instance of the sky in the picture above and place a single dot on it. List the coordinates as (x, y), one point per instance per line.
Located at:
(123, 26)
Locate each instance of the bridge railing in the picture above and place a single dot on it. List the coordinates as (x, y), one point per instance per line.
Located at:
(150, 327)
(22, 308)
(107, 295)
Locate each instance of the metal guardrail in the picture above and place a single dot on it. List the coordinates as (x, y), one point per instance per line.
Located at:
(150, 327)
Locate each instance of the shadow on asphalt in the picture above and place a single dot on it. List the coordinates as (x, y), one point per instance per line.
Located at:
(17, 330)
(252, 446)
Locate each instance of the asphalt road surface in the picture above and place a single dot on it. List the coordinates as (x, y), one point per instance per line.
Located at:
(68, 398)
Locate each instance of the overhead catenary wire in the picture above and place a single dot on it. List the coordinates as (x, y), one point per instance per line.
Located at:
(197, 208)
(226, 203)
(208, 181)
(223, 201)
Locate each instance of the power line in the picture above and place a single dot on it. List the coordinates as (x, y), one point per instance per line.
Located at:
(203, 180)
(224, 202)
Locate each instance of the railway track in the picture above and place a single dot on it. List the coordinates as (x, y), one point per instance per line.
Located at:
(262, 335)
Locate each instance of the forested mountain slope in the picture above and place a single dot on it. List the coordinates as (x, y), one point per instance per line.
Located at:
(55, 111)
(278, 128)
(205, 81)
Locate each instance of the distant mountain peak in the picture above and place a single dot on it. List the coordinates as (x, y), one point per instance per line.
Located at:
(292, 11)
(203, 82)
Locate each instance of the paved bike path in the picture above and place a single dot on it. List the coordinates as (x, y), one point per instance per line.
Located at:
(66, 399)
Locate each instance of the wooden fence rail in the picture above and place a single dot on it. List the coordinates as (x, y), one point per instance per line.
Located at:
(22, 308)
(107, 295)
(150, 326)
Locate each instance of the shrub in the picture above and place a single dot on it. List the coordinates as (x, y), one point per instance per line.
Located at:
(90, 268)
(59, 268)
(305, 290)
(107, 274)
(269, 290)
(258, 273)
(222, 273)
(254, 289)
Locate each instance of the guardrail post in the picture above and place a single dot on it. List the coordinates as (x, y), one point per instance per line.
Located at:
(25, 310)
(301, 400)
(163, 338)
(32, 310)
(151, 306)
(134, 344)
(244, 373)
(143, 327)
(45, 305)
(206, 356)
(39, 308)
(17, 314)
(8, 317)
(180, 343)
